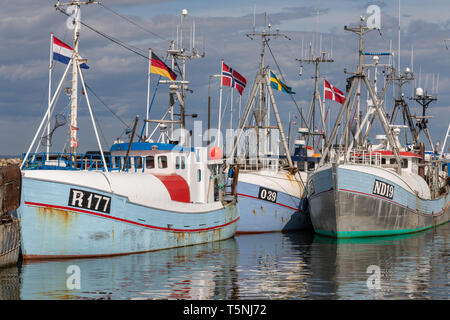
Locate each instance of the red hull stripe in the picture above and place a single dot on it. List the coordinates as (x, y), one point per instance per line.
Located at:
(125, 220)
(283, 205)
(177, 187)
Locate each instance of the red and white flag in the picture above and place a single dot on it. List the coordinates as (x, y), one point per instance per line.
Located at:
(333, 93)
(232, 78)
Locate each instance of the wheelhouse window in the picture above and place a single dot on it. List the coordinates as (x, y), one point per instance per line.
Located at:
(180, 162)
(117, 162)
(405, 163)
(162, 162)
(138, 162)
(150, 162)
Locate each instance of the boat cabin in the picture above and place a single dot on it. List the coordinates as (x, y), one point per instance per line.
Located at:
(386, 159)
(169, 160)
(304, 156)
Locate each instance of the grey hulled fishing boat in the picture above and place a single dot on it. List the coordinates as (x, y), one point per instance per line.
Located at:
(361, 189)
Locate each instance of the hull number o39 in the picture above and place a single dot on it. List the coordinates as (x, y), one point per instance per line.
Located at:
(89, 200)
(267, 195)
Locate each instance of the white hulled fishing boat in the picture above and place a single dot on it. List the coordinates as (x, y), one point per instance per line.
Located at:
(138, 197)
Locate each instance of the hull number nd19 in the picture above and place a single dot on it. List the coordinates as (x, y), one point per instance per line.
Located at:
(267, 194)
(383, 189)
(89, 200)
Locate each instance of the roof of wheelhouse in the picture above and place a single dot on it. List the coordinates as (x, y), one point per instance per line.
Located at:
(142, 146)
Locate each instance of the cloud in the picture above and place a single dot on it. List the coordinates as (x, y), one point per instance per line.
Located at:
(23, 71)
(118, 76)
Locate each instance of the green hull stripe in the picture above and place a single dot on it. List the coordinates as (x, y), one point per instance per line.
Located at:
(371, 233)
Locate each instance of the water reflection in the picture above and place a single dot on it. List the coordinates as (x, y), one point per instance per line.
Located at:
(411, 266)
(263, 266)
(195, 272)
(9, 283)
(274, 266)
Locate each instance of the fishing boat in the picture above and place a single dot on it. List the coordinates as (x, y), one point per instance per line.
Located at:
(363, 190)
(270, 189)
(138, 197)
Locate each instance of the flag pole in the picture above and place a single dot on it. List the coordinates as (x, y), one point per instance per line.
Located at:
(231, 109)
(324, 106)
(240, 107)
(148, 90)
(50, 67)
(220, 105)
(289, 132)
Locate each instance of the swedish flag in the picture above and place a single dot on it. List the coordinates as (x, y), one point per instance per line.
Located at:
(278, 85)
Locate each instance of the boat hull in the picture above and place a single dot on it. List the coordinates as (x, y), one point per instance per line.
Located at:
(9, 242)
(343, 205)
(258, 215)
(51, 228)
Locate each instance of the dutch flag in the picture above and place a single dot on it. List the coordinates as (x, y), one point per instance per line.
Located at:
(63, 52)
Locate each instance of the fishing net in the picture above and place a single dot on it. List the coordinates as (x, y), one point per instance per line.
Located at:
(60, 120)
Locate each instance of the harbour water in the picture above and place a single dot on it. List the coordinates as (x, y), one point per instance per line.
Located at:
(261, 266)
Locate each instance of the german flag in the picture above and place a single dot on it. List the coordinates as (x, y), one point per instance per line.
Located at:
(159, 67)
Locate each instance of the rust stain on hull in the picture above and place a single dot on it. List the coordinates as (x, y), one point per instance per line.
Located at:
(55, 218)
(296, 184)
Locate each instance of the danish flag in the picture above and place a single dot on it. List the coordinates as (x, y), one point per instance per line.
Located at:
(232, 78)
(333, 93)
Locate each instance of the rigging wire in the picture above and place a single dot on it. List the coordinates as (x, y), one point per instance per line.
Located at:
(128, 47)
(110, 110)
(284, 80)
(134, 23)
(106, 106)
(100, 128)
(119, 42)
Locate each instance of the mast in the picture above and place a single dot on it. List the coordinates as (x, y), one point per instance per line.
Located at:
(424, 99)
(75, 63)
(359, 76)
(316, 94)
(178, 88)
(50, 68)
(260, 87)
(76, 57)
(74, 92)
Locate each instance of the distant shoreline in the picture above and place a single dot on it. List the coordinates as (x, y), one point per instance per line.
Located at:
(9, 161)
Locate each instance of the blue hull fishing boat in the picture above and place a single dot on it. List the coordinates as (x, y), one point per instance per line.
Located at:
(137, 197)
(270, 190)
(270, 202)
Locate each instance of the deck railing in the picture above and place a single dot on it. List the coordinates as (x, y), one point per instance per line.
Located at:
(365, 158)
(89, 162)
(260, 163)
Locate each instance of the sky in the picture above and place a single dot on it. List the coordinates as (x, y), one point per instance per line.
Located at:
(118, 76)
